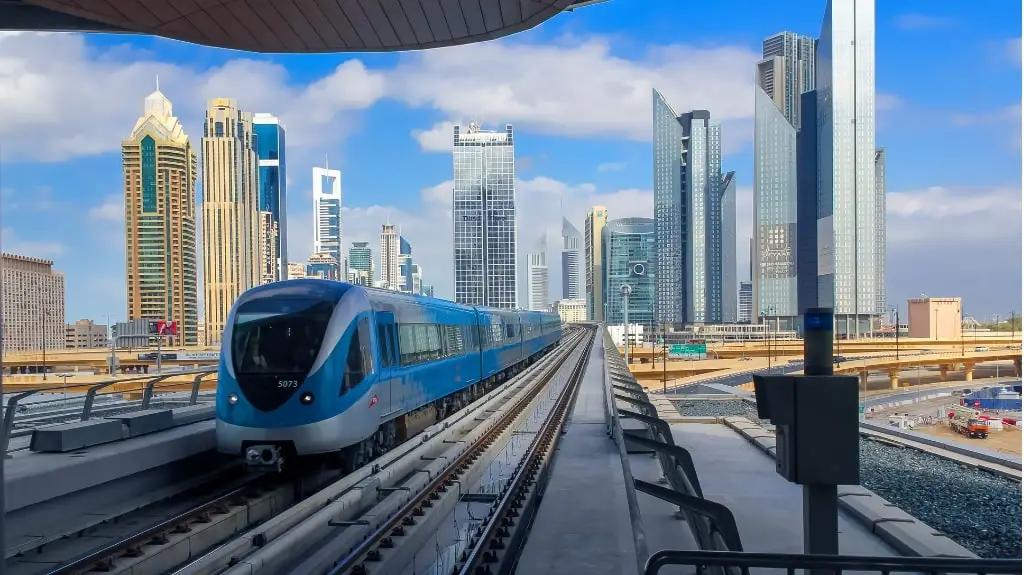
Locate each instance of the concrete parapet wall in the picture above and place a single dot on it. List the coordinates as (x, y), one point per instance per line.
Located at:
(980, 453)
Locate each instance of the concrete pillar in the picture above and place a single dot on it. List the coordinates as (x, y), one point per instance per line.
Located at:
(968, 371)
(1016, 366)
(864, 381)
(894, 378)
(944, 372)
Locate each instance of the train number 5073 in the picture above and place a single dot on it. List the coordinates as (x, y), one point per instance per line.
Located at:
(288, 383)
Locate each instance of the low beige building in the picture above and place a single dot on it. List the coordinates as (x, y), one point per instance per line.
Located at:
(935, 318)
(86, 334)
(572, 310)
(33, 304)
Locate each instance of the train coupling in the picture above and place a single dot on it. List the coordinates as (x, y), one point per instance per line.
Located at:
(264, 456)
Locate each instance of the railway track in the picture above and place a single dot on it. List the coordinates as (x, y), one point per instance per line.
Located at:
(253, 515)
(391, 545)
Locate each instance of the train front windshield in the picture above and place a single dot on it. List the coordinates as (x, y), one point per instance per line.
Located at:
(279, 336)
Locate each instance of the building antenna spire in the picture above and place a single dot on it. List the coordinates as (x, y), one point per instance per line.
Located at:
(327, 164)
(158, 82)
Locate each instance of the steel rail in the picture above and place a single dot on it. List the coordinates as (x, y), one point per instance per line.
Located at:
(415, 505)
(489, 540)
(102, 558)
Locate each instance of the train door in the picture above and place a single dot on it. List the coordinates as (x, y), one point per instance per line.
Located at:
(387, 346)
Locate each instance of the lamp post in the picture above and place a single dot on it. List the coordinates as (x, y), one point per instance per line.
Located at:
(625, 290)
(896, 309)
(768, 335)
(664, 359)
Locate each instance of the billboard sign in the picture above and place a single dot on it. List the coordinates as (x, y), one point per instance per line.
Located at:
(688, 351)
(775, 244)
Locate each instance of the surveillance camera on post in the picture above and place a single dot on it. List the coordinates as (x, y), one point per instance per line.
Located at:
(626, 290)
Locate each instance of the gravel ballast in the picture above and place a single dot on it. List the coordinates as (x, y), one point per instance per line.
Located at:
(977, 509)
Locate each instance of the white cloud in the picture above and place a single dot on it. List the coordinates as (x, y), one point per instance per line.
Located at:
(944, 216)
(578, 87)
(13, 243)
(611, 166)
(922, 21)
(1013, 50)
(52, 107)
(439, 138)
(112, 209)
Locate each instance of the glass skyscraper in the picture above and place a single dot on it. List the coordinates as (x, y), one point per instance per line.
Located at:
(629, 252)
(273, 196)
(849, 280)
(360, 260)
(485, 217)
(405, 265)
(688, 190)
(571, 240)
(537, 276)
(786, 71)
(327, 230)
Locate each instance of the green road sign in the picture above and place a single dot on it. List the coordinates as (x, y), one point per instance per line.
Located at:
(688, 350)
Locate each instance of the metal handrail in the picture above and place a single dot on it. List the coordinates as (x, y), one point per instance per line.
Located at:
(614, 425)
(12, 403)
(833, 563)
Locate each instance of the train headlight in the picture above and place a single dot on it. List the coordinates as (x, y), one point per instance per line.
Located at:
(232, 399)
(306, 398)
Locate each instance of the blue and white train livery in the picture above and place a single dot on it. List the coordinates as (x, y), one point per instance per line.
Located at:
(315, 367)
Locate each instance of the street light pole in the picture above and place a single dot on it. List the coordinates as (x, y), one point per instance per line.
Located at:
(625, 290)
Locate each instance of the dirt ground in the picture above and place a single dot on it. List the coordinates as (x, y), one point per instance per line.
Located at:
(1006, 441)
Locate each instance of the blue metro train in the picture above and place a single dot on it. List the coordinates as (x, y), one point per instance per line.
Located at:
(315, 367)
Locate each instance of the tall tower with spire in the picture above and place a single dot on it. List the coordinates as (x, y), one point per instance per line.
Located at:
(160, 171)
(327, 229)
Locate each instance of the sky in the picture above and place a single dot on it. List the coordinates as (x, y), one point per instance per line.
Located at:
(577, 89)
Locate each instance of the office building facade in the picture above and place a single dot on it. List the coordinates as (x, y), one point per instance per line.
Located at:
(571, 277)
(484, 215)
(597, 218)
(86, 334)
(688, 188)
(880, 237)
(537, 276)
(630, 250)
(327, 224)
(323, 266)
(273, 195)
(33, 304)
(775, 215)
(360, 263)
(160, 170)
(405, 265)
(231, 247)
(390, 275)
(746, 302)
(848, 219)
(786, 71)
(730, 306)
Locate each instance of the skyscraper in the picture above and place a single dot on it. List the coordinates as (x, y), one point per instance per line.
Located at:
(688, 214)
(571, 261)
(159, 166)
(537, 276)
(629, 253)
(389, 272)
(323, 266)
(485, 217)
(273, 195)
(730, 307)
(327, 229)
(32, 303)
(880, 230)
(775, 215)
(786, 71)
(231, 246)
(360, 261)
(597, 218)
(849, 280)
(405, 265)
(746, 311)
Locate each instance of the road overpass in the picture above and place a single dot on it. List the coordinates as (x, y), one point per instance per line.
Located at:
(98, 360)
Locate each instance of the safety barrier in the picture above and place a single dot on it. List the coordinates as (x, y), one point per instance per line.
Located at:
(712, 524)
(152, 382)
(829, 563)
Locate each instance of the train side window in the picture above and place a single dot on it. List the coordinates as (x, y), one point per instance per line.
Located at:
(384, 342)
(434, 349)
(407, 343)
(358, 363)
(393, 342)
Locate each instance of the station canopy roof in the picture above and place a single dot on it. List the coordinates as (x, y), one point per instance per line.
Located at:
(292, 26)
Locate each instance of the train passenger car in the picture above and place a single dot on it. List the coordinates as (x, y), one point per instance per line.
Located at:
(318, 367)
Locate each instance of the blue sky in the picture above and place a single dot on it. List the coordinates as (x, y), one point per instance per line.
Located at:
(577, 90)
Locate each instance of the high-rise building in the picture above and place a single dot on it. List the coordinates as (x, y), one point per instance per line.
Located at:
(786, 71)
(485, 217)
(688, 190)
(33, 304)
(849, 280)
(390, 276)
(571, 240)
(323, 266)
(327, 225)
(880, 230)
(231, 246)
(775, 215)
(296, 270)
(417, 279)
(405, 265)
(273, 195)
(629, 252)
(537, 276)
(730, 309)
(746, 312)
(807, 204)
(597, 218)
(86, 334)
(159, 165)
(360, 263)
